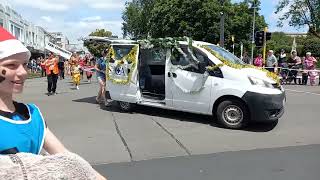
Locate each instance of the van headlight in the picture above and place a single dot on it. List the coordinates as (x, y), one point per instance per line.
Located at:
(259, 82)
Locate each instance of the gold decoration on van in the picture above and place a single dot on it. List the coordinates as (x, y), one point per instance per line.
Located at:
(131, 58)
(240, 66)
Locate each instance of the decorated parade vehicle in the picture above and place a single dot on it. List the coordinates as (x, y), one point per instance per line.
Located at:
(191, 76)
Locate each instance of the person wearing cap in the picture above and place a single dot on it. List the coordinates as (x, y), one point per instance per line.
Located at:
(311, 62)
(22, 126)
(271, 61)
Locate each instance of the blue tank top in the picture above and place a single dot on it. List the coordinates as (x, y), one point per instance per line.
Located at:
(22, 135)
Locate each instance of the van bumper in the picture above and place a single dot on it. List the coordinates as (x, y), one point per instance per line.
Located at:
(265, 107)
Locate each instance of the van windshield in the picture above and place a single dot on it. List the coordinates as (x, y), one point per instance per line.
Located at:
(226, 54)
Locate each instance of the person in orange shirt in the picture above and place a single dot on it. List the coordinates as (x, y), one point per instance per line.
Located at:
(52, 71)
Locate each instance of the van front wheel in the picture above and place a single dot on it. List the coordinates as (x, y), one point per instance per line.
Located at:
(125, 106)
(232, 114)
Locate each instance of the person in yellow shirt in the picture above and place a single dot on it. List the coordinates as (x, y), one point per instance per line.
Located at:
(76, 76)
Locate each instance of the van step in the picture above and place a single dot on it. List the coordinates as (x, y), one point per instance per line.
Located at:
(153, 101)
(153, 104)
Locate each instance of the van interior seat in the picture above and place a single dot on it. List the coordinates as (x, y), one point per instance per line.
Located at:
(157, 81)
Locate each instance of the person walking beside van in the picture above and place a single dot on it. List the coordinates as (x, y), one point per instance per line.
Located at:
(52, 71)
(100, 67)
(271, 61)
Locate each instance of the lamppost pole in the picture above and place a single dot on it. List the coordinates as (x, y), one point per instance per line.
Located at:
(222, 16)
(253, 27)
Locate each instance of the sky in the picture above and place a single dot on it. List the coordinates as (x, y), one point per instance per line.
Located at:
(77, 18)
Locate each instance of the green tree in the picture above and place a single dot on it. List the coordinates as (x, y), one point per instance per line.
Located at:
(300, 13)
(97, 48)
(136, 17)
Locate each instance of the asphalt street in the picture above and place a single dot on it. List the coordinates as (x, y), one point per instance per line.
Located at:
(152, 143)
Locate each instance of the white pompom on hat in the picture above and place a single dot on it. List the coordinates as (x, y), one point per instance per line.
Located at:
(9, 45)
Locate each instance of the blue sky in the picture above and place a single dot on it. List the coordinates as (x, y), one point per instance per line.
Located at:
(77, 18)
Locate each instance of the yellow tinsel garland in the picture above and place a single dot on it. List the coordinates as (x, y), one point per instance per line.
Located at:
(240, 66)
(130, 57)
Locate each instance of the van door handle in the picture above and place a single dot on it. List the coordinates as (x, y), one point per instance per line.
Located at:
(174, 75)
(169, 74)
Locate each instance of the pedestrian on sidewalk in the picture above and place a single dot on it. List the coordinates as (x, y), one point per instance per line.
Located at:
(258, 61)
(272, 61)
(22, 126)
(52, 71)
(311, 66)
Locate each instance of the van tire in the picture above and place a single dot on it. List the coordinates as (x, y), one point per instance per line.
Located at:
(232, 114)
(125, 106)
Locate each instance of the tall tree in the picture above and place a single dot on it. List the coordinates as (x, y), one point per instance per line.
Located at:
(136, 18)
(300, 13)
(199, 19)
(96, 49)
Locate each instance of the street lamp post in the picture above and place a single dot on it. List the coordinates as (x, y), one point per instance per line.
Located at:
(253, 27)
(222, 25)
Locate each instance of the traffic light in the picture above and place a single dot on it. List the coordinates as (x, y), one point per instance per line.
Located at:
(268, 36)
(258, 38)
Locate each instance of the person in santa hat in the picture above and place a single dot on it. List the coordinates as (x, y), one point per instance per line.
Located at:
(22, 126)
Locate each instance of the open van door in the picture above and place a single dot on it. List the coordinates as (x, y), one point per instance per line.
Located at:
(122, 72)
(190, 86)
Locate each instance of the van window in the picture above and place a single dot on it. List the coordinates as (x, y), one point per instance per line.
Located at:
(121, 50)
(179, 59)
(153, 56)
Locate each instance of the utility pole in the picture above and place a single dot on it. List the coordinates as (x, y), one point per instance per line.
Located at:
(264, 44)
(222, 16)
(253, 27)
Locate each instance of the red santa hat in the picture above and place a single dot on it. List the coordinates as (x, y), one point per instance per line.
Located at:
(9, 45)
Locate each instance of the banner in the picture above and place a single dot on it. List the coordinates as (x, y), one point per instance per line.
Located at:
(58, 50)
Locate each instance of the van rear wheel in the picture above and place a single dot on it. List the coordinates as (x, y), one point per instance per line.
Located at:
(125, 106)
(232, 114)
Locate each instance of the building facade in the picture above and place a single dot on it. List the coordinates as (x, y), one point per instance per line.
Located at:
(33, 37)
(61, 40)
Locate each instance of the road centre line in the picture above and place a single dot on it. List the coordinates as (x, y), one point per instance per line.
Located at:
(306, 92)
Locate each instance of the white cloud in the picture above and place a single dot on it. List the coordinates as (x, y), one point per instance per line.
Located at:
(46, 18)
(105, 4)
(46, 5)
(92, 18)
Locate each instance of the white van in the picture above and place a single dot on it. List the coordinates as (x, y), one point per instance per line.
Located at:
(170, 79)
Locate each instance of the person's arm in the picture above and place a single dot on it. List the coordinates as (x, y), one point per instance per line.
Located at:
(96, 67)
(52, 144)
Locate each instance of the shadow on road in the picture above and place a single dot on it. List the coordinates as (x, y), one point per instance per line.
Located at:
(177, 115)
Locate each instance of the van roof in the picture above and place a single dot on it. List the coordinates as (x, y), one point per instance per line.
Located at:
(110, 40)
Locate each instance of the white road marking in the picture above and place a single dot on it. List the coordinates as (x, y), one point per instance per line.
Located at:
(306, 92)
